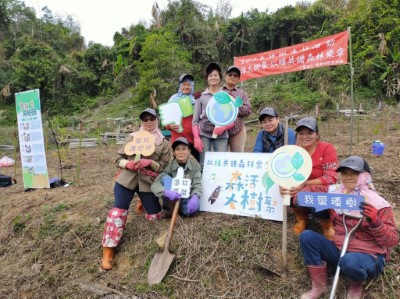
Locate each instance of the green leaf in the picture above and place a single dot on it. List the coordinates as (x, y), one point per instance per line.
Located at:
(222, 97)
(238, 102)
(267, 181)
(298, 177)
(297, 160)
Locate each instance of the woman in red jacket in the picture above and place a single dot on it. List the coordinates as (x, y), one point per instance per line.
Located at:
(324, 164)
(370, 244)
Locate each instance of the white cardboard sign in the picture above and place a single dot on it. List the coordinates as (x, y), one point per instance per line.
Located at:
(238, 183)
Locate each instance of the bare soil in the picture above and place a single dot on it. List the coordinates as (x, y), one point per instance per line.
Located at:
(50, 240)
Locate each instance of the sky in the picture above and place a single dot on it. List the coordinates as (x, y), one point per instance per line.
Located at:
(99, 20)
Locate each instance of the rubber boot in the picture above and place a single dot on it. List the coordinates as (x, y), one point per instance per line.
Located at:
(356, 290)
(301, 219)
(113, 231)
(139, 207)
(327, 228)
(153, 217)
(106, 261)
(318, 280)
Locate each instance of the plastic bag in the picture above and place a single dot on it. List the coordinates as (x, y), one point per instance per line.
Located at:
(6, 162)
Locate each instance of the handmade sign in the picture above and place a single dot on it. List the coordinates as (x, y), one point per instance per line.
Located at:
(143, 143)
(173, 112)
(232, 184)
(222, 109)
(180, 184)
(289, 167)
(322, 201)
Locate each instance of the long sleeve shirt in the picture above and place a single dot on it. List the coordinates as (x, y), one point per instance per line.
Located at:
(244, 110)
(324, 164)
(192, 170)
(373, 238)
(200, 114)
(259, 145)
(131, 179)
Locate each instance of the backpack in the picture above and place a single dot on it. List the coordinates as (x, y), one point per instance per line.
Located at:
(6, 180)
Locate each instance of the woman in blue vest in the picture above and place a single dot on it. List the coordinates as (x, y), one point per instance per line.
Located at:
(271, 136)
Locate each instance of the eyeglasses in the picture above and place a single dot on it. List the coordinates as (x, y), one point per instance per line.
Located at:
(145, 120)
(234, 75)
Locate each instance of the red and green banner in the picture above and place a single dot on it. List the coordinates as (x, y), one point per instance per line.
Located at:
(326, 51)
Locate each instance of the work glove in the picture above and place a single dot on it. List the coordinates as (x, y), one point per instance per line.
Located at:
(172, 195)
(142, 163)
(369, 211)
(219, 130)
(198, 144)
(193, 204)
(131, 165)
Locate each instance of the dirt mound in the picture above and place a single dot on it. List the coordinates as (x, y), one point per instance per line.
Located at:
(50, 239)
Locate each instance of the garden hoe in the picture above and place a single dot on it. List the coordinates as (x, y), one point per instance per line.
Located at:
(161, 261)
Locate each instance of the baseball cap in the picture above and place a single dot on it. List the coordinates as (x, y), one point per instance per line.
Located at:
(268, 111)
(180, 140)
(307, 122)
(233, 68)
(184, 77)
(213, 66)
(149, 111)
(354, 162)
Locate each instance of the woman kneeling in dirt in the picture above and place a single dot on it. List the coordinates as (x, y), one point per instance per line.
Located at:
(135, 177)
(192, 170)
(369, 245)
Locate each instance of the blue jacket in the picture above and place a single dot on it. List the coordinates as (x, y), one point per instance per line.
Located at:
(259, 145)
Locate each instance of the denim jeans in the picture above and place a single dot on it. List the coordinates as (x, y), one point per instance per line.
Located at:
(354, 265)
(218, 144)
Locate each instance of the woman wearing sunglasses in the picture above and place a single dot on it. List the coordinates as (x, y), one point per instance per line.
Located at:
(135, 177)
(237, 133)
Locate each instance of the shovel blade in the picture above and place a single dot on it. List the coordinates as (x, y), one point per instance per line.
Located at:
(159, 267)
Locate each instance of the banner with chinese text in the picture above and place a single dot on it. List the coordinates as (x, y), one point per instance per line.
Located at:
(236, 183)
(326, 51)
(31, 141)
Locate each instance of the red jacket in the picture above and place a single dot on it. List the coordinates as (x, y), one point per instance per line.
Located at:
(324, 164)
(187, 130)
(377, 238)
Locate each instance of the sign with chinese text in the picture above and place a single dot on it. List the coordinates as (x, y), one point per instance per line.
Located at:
(173, 112)
(180, 184)
(326, 51)
(31, 141)
(143, 143)
(236, 183)
(322, 201)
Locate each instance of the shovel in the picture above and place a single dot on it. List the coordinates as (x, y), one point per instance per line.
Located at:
(344, 250)
(161, 261)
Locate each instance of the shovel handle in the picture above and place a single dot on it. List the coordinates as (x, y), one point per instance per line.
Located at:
(172, 225)
(342, 253)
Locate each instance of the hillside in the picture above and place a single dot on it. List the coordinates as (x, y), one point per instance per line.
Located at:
(50, 240)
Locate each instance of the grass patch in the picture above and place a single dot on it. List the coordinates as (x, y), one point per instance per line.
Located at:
(19, 223)
(49, 227)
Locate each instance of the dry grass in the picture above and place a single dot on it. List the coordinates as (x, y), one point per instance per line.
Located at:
(50, 239)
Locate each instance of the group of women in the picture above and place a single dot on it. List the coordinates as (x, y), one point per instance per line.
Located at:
(150, 178)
